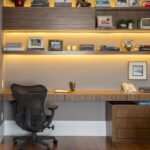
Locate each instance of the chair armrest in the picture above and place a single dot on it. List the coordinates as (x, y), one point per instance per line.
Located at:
(52, 107)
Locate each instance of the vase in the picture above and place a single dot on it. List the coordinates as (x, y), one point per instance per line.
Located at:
(19, 3)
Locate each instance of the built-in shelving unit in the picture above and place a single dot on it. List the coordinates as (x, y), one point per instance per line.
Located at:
(69, 20)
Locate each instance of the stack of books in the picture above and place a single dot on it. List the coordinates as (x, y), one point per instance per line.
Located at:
(40, 3)
(63, 3)
(144, 48)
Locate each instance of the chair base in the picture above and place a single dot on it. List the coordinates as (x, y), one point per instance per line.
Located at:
(34, 139)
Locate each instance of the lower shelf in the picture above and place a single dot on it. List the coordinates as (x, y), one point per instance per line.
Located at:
(75, 53)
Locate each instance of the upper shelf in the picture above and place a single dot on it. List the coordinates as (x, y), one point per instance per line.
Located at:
(29, 18)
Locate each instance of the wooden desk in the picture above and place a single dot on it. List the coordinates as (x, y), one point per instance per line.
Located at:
(91, 96)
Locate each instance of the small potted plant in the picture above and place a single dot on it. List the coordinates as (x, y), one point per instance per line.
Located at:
(122, 24)
(130, 23)
(18, 3)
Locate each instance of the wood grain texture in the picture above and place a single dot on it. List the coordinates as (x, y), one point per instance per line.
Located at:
(94, 96)
(48, 18)
(130, 123)
(79, 143)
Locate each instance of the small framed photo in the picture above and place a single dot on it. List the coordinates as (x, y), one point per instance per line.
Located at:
(104, 21)
(137, 70)
(55, 45)
(36, 43)
(103, 3)
(134, 3)
(122, 3)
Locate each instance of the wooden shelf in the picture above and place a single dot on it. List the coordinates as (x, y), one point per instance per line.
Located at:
(82, 31)
(75, 53)
(122, 8)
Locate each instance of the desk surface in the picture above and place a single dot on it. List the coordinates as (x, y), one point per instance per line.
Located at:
(6, 95)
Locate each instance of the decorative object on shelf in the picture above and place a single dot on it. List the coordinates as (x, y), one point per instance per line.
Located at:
(134, 3)
(144, 23)
(128, 44)
(62, 3)
(83, 3)
(87, 47)
(146, 4)
(36, 43)
(122, 3)
(40, 3)
(109, 48)
(68, 48)
(74, 48)
(14, 47)
(130, 24)
(55, 45)
(122, 24)
(18, 3)
(137, 70)
(102, 3)
(104, 22)
(145, 48)
(72, 85)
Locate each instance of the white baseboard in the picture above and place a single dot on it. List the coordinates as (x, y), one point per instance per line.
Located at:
(63, 128)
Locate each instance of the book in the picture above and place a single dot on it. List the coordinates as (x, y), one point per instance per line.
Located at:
(63, 4)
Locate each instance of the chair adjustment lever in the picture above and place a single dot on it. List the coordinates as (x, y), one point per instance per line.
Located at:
(52, 127)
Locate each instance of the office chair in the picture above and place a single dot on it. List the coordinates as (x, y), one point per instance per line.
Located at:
(30, 115)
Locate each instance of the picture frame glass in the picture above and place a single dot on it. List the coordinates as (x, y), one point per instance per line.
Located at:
(137, 70)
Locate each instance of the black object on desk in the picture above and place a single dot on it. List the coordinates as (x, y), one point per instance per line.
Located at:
(30, 115)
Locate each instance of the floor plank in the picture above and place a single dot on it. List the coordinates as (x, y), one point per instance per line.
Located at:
(78, 143)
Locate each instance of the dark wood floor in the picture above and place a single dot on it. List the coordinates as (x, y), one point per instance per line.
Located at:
(79, 143)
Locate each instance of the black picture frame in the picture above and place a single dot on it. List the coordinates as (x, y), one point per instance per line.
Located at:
(55, 45)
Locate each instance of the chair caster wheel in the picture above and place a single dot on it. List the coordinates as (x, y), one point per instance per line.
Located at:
(55, 142)
(14, 142)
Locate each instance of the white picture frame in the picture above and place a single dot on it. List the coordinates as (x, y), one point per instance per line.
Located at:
(134, 3)
(104, 21)
(137, 70)
(122, 3)
(36, 43)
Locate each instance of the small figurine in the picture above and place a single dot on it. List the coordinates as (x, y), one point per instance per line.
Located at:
(72, 85)
(83, 3)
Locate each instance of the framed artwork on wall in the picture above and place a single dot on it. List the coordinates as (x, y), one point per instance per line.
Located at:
(137, 70)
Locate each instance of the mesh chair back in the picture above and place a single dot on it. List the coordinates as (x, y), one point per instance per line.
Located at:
(30, 113)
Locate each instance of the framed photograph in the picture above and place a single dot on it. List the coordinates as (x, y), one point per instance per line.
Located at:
(104, 21)
(102, 3)
(55, 45)
(36, 43)
(122, 3)
(138, 70)
(134, 3)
